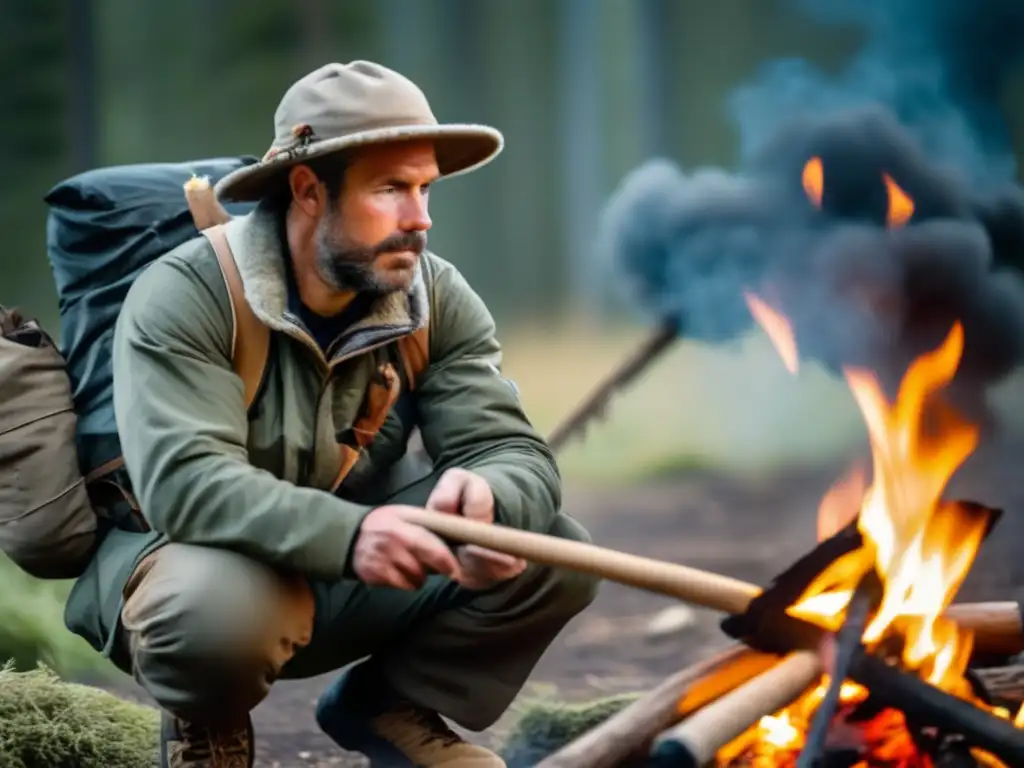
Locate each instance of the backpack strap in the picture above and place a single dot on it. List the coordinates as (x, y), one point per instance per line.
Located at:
(250, 341)
(250, 350)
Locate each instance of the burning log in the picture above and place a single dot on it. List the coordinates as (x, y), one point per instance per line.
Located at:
(1004, 685)
(630, 732)
(596, 403)
(695, 742)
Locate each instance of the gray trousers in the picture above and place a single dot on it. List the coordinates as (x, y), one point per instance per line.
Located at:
(207, 632)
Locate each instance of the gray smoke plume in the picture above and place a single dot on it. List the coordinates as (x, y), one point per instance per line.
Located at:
(917, 105)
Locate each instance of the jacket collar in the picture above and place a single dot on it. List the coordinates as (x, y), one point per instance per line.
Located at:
(256, 243)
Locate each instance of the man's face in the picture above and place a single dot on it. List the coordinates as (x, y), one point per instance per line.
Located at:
(371, 239)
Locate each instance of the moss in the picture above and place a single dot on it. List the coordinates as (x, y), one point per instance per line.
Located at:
(44, 721)
(546, 726)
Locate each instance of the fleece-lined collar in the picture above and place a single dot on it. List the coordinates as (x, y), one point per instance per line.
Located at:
(255, 240)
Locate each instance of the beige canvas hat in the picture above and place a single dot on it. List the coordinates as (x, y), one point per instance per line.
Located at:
(340, 106)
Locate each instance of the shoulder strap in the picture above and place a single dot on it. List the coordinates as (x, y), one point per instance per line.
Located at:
(250, 341)
(415, 352)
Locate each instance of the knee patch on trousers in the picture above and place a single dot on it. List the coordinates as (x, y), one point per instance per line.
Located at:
(208, 630)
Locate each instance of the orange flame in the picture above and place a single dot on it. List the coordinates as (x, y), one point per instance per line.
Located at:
(920, 545)
(778, 331)
(813, 179)
(900, 205)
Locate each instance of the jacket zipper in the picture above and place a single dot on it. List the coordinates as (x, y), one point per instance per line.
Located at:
(301, 335)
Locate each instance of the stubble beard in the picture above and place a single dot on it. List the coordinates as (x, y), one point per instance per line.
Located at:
(347, 266)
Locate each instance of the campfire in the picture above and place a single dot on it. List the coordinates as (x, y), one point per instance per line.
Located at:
(914, 553)
(886, 596)
(856, 655)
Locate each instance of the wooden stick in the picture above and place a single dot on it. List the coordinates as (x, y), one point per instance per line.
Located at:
(694, 742)
(997, 626)
(629, 732)
(689, 584)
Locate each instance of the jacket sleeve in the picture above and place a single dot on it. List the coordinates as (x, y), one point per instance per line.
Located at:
(183, 428)
(470, 416)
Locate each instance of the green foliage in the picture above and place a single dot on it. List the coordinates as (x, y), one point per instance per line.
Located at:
(61, 725)
(32, 627)
(546, 726)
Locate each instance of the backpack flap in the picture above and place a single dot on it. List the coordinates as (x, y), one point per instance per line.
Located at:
(47, 525)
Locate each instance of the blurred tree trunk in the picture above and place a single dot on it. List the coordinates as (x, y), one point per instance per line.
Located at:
(84, 128)
(580, 54)
(653, 30)
(314, 33)
(34, 144)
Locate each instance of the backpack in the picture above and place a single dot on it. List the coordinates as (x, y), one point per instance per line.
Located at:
(62, 478)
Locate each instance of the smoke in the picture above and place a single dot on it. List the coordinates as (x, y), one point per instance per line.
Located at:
(938, 65)
(918, 106)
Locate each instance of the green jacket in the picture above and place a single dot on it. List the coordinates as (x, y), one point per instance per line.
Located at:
(205, 472)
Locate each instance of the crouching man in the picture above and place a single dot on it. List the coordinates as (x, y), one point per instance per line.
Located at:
(278, 547)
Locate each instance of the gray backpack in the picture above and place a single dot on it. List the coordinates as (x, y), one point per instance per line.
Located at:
(47, 524)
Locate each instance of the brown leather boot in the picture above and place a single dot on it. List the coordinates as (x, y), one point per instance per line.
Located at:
(189, 745)
(361, 714)
(424, 739)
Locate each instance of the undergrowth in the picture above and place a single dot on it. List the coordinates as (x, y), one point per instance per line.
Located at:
(32, 627)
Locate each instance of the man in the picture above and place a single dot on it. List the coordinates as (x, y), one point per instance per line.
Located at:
(257, 570)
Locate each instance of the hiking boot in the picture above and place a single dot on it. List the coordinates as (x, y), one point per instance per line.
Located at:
(188, 745)
(362, 715)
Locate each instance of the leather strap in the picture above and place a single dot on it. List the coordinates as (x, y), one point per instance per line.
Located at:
(415, 352)
(250, 341)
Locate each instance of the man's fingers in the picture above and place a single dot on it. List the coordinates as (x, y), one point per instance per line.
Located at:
(477, 500)
(411, 569)
(385, 574)
(447, 494)
(429, 550)
(492, 558)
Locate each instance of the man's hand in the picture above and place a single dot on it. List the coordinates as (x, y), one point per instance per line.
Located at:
(461, 492)
(391, 552)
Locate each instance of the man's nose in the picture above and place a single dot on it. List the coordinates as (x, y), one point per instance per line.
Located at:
(414, 216)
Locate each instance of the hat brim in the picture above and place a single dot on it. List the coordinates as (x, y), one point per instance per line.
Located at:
(460, 148)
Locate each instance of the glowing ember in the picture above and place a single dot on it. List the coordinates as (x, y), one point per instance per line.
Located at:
(919, 545)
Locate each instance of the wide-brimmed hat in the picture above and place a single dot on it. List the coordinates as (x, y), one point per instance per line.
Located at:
(340, 106)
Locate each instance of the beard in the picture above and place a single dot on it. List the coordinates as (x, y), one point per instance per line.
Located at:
(348, 266)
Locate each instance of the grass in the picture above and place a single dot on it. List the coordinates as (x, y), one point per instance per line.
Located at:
(46, 721)
(729, 409)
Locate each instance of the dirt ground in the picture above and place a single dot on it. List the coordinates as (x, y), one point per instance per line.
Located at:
(749, 530)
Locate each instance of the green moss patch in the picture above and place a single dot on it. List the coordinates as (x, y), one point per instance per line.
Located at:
(46, 722)
(544, 727)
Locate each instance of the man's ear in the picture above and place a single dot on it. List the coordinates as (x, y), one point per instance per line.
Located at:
(308, 192)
